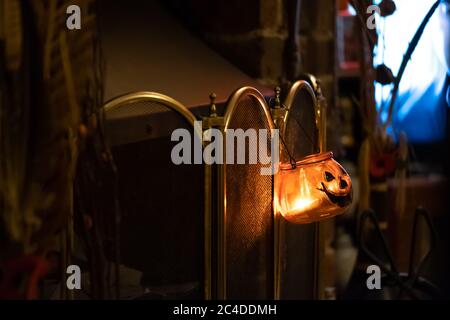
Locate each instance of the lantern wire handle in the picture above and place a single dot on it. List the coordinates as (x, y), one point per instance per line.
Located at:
(276, 102)
(278, 105)
(291, 158)
(307, 135)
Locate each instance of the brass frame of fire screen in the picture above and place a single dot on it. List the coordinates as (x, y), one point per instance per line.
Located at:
(218, 289)
(223, 123)
(183, 111)
(281, 115)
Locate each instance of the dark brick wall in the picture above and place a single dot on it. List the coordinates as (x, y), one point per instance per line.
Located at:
(251, 34)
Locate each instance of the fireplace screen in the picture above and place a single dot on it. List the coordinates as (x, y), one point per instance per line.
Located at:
(167, 207)
(248, 206)
(299, 247)
(161, 203)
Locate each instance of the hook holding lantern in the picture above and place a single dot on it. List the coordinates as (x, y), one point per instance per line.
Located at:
(278, 115)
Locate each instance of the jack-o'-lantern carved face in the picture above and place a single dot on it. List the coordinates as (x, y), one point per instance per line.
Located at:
(317, 188)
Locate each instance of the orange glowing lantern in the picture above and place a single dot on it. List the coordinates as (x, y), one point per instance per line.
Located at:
(313, 189)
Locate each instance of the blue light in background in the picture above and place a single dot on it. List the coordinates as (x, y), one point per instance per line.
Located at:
(419, 110)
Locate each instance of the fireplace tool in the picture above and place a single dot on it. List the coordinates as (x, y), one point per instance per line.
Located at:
(395, 284)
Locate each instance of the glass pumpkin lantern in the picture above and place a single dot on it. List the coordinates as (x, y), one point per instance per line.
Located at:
(315, 188)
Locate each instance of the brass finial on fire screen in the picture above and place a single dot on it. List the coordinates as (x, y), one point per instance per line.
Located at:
(212, 106)
(277, 102)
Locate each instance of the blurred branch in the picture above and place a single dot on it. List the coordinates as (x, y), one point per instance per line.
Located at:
(407, 57)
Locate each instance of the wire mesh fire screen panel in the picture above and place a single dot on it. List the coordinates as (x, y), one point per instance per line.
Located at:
(249, 213)
(298, 267)
(161, 203)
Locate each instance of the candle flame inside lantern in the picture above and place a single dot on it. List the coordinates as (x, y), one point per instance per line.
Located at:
(304, 199)
(302, 204)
